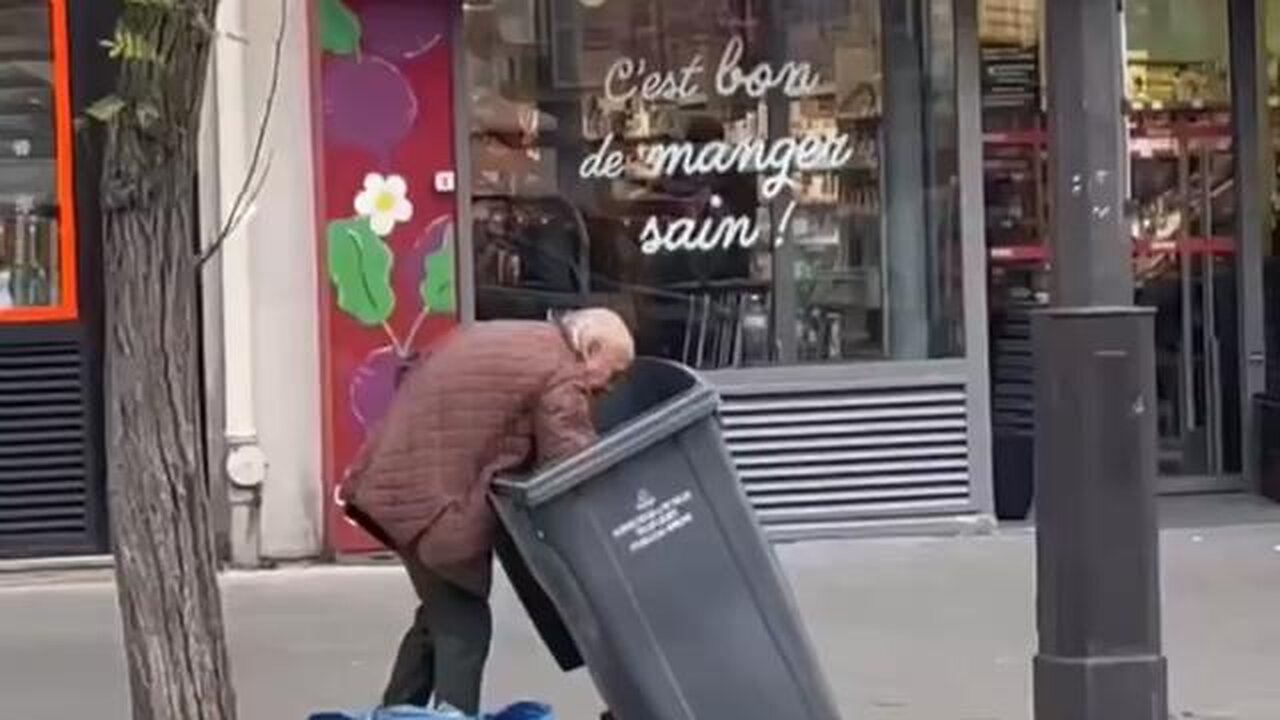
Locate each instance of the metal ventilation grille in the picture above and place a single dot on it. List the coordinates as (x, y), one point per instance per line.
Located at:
(823, 461)
(43, 472)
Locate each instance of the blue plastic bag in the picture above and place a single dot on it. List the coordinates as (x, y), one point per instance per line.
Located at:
(525, 711)
(519, 711)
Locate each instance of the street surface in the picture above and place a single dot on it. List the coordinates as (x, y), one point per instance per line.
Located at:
(908, 629)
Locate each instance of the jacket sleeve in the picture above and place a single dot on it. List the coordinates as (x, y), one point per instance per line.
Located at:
(562, 420)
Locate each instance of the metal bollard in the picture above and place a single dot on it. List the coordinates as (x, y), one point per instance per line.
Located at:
(1097, 544)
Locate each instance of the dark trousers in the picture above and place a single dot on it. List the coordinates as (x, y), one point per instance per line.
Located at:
(445, 650)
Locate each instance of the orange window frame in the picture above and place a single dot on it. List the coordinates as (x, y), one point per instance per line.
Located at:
(68, 307)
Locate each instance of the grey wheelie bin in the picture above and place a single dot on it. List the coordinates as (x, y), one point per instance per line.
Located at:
(647, 547)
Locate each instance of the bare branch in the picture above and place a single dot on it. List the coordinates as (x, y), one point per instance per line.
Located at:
(255, 176)
(246, 211)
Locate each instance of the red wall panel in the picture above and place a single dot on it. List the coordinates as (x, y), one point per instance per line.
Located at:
(384, 129)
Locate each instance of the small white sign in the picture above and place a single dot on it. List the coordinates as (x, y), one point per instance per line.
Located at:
(446, 182)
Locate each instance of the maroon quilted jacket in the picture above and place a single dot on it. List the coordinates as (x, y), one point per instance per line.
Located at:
(492, 398)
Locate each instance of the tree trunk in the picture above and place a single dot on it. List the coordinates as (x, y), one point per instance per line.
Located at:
(165, 558)
(166, 564)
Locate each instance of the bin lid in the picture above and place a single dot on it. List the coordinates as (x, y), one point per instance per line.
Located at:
(656, 399)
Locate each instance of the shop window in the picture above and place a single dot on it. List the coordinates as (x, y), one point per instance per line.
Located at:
(36, 256)
(1271, 250)
(746, 188)
(1181, 211)
(1177, 84)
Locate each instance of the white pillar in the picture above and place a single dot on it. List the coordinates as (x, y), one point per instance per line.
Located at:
(284, 275)
(246, 463)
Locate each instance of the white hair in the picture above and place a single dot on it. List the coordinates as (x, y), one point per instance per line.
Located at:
(598, 327)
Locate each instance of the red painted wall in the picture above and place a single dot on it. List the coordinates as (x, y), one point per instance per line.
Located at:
(384, 129)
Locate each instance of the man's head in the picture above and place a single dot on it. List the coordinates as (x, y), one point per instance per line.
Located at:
(604, 342)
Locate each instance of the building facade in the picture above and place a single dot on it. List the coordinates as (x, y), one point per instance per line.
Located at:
(51, 493)
(777, 197)
(835, 210)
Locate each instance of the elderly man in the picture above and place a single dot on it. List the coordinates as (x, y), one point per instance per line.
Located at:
(495, 397)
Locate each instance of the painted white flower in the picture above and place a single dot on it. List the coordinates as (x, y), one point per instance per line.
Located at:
(383, 200)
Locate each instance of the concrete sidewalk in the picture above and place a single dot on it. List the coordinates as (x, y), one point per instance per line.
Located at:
(926, 629)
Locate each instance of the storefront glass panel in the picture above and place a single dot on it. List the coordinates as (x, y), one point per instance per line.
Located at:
(1271, 249)
(1182, 214)
(35, 232)
(748, 183)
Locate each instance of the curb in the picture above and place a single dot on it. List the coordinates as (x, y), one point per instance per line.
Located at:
(19, 573)
(46, 572)
(76, 563)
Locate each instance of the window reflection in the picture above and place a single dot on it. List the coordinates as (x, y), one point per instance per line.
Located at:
(719, 176)
(28, 206)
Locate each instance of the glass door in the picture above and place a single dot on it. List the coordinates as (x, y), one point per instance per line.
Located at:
(1182, 176)
(1183, 231)
(1185, 268)
(1271, 244)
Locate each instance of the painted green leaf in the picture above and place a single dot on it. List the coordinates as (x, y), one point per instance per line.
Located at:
(360, 270)
(339, 28)
(437, 281)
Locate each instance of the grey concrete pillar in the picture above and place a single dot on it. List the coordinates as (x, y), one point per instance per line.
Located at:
(906, 232)
(1088, 148)
(1097, 546)
(1254, 185)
